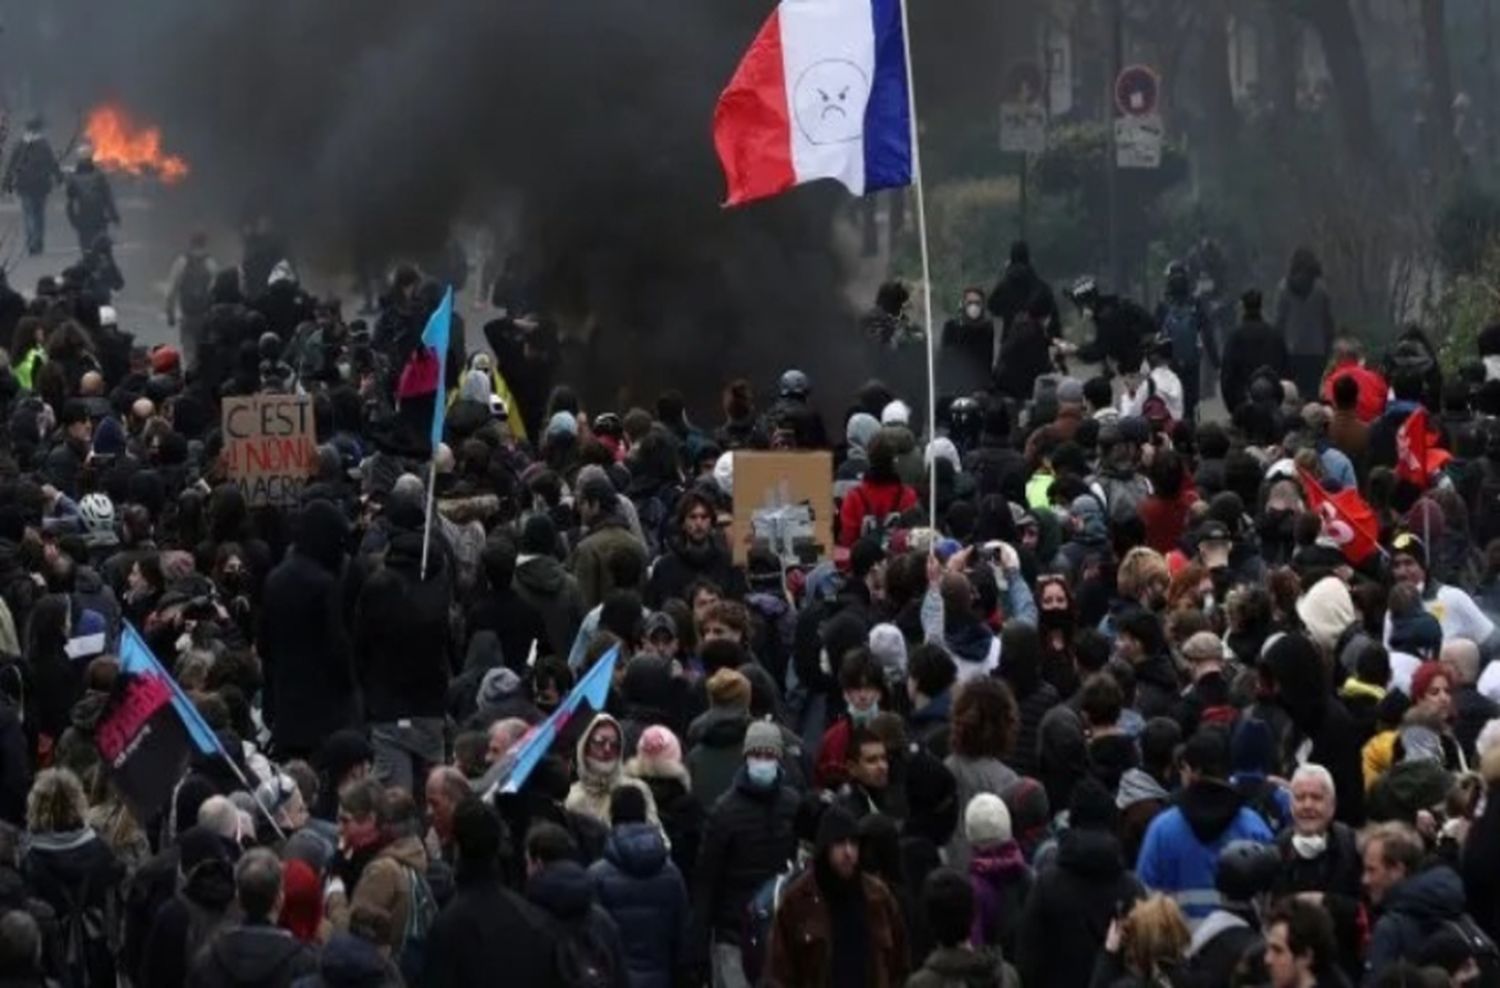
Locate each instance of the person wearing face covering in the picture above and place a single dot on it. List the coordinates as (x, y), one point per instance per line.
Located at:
(837, 927)
(968, 346)
(601, 770)
(1321, 855)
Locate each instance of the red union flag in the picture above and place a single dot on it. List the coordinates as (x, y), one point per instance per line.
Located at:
(1417, 455)
(1347, 519)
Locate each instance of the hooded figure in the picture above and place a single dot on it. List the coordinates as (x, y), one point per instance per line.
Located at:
(302, 641)
(1293, 673)
(1304, 318)
(601, 770)
(836, 925)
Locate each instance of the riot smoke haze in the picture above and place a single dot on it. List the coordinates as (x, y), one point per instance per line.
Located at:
(372, 126)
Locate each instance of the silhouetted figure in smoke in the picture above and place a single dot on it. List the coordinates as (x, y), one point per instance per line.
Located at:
(91, 202)
(264, 248)
(190, 294)
(31, 174)
(1018, 287)
(102, 274)
(1121, 327)
(1304, 318)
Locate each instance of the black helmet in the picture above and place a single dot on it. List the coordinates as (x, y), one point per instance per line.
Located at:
(269, 346)
(1246, 869)
(965, 420)
(794, 384)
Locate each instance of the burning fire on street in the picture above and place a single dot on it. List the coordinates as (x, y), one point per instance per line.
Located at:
(122, 145)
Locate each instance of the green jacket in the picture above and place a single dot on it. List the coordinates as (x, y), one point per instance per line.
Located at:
(24, 370)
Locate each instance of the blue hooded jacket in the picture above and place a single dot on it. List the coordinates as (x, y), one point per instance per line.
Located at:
(1180, 853)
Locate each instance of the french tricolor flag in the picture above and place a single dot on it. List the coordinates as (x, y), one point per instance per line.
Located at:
(822, 93)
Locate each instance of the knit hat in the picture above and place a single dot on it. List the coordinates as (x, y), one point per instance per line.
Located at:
(888, 646)
(986, 820)
(497, 686)
(727, 688)
(1326, 610)
(659, 746)
(1407, 544)
(562, 424)
(88, 638)
(1421, 680)
(164, 360)
(1251, 748)
(109, 437)
(896, 413)
(1070, 391)
(860, 429)
(763, 736)
(836, 826)
(198, 844)
(1030, 812)
(1416, 634)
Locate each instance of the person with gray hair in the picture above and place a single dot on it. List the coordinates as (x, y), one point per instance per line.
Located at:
(254, 951)
(219, 814)
(1472, 709)
(1318, 853)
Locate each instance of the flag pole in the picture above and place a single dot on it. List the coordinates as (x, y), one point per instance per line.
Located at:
(431, 500)
(916, 179)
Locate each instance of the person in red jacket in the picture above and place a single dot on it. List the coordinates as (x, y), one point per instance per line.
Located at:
(880, 498)
(1165, 511)
(1349, 361)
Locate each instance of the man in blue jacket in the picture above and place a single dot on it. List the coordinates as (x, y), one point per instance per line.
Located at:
(1179, 855)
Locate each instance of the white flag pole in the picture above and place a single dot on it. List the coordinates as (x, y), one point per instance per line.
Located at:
(431, 500)
(916, 180)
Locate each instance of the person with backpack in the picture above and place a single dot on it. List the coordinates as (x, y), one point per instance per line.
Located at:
(69, 867)
(186, 922)
(31, 174)
(487, 931)
(253, 951)
(643, 892)
(589, 952)
(190, 295)
(395, 880)
(91, 202)
(878, 501)
(1190, 335)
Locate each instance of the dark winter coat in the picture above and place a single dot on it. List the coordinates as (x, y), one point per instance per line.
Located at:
(550, 590)
(564, 892)
(683, 562)
(193, 913)
(949, 967)
(802, 936)
(304, 647)
(1251, 345)
(76, 873)
(717, 751)
(680, 814)
(514, 620)
(609, 536)
(747, 838)
(643, 892)
(485, 929)
(1070, 909)
(252, 956)
(400, 617)
(1156, 686)
(347, 961)
(1410, 912)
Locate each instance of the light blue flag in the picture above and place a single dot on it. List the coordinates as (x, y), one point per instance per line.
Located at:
(136, 657)
(593, 688)
(436, 337)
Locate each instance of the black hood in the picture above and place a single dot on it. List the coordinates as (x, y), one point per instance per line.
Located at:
(323, 532)
(563, 889)
(350, 962)
(255, 954)
(648, 685)
(1089, 853)
(1209, 806)
(1430, 897)
(1301, 685)
(542, 575)
(720, 727)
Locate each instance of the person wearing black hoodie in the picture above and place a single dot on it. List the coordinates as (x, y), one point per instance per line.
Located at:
(254, 951)
(1294, 677)
(1073, 902)
(544, 585)
(185, 922)
(485, 928)
(501, 608)
(401, 613)
(556, 883)
(1019, 287)
(1251, 345)
(302, 642)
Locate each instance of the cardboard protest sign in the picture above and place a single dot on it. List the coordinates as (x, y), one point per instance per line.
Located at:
(783, 501)
(270, 449)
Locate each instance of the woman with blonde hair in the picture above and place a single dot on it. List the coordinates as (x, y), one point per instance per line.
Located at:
(1146, 948)
(70, 868)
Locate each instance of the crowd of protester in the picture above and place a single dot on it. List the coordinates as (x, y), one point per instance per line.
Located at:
(1088, 690)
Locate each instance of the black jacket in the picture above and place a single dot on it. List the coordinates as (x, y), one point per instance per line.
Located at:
(1070, 909)
(1481, 865)
(200, 906)
(347, 961)
(1017, 288)
(485, 929)
(747, 838)
(682, 563)
(1410, 912)
(545, 586)
(643, 892)
(304, 647)
(565, 894)
(514, 620)
(401, 644)
(252, 956)
(1253, 344)
(76, 873)
(1156, 686)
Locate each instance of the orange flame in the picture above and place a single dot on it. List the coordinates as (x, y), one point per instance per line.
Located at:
(119, 145)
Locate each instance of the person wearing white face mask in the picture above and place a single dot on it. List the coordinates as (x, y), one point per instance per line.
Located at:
(1319, 856)
(968, 346)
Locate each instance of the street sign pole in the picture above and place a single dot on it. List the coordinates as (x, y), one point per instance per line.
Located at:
(1025, 169)
(1111, 166)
